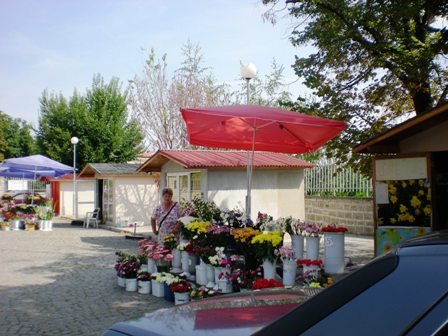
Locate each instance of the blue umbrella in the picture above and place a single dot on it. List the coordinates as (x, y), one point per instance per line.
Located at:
(33, 166)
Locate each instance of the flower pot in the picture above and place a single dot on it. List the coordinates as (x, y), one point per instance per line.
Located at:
(158, 290)
(144, 287)
(177, 261)
(334, 254)
(312, 248)
(218, 271)
(30, 227)
(225, 286)
(268, 269)
(46, 225)
(152, 268)
(167, 293)
(131, 285)
(201, 273)
(180, 298)
(121, 281)
(15, 224)
(289, 272)
(297, 246)
(189, 262)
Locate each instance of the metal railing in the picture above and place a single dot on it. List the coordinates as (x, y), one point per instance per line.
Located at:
(13, 185)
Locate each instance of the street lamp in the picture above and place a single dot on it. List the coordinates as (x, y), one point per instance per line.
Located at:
(248, 72)
(74, 141)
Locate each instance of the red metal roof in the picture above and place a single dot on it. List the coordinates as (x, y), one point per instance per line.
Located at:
(223, 159)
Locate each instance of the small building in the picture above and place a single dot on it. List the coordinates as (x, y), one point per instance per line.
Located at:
(411, 178)
(123, 194)
(220, 176)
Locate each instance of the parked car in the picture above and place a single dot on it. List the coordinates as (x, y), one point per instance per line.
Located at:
(404, 292)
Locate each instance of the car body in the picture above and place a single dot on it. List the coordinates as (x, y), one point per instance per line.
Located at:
(402, 292)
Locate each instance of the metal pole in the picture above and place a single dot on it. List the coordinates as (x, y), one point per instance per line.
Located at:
(75, 193)
(248, 172)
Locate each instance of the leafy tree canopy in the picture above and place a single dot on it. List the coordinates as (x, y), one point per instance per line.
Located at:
(15, 138)
(99, 119)
(377, 62)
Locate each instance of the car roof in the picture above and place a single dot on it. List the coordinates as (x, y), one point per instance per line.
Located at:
(434, 238)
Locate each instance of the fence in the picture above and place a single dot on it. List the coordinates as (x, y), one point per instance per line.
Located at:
(331, 180)
(16, 185)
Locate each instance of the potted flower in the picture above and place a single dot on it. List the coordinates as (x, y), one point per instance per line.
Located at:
(243, 238)
(202, 293)
(296, 229)
(311, 231)
(144, 282)
(121, 258)
(334, 251)
(162, 257)
(129, 270)
(289, 265)
(264, 246)
(170, 243)
(181, 290)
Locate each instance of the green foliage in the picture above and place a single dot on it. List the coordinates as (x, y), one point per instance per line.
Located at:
(15, 138)
(99, 119)
(376, 62)
(206, 211)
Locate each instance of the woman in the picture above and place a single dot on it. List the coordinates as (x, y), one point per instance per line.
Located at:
(165, 216)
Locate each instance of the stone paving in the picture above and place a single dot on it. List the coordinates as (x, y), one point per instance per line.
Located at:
(63, 283)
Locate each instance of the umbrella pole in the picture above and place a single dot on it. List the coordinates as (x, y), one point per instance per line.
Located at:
(250, 166)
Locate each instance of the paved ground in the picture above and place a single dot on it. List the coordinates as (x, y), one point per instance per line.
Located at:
(63, 283)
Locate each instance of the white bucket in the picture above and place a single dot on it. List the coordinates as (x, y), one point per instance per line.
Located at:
(158, 288)
(180, 298)
(268, 269)
(289, 272)
(312, 248)
(131, 285)
(152, 268)
(297, 246)
(176, 262)
(144, 287)
(225, 286)
(210, 276)
(121, 281)
(201, 273)
(334, 254)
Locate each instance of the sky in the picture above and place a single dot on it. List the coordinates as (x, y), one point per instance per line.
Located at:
(59, 45)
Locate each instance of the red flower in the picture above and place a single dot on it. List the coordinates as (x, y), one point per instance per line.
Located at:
(333, 228)
(264, 283)
(308, 262)
(182, 286)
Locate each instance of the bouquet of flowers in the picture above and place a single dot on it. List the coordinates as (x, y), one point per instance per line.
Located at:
(284, 253)
(295, 227)
(206, 211)
(160, 253)
(244, 235)
(144, 276)
(202, 293)
(145, 245)
(170, 242)
(188, 208)
(218, 257)
(265, 244)
(311, 229)
(235, 219)
(264, 283)
(262, 220)
(194, 228)
(129, 269)
(308, 262)
(333, 228)
(163, 277)
(220, 235)
(181, 286)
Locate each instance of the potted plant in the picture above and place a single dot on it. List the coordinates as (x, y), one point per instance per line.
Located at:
(144, 282)
(181, 290)
(289, 265)
(264, 246)
(129, 270)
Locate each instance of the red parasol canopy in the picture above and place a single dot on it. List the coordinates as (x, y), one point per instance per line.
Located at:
(253, 127)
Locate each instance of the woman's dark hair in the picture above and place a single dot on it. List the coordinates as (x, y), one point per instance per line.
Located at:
(168, 191)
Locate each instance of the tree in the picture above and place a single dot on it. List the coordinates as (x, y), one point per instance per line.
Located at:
(99, 119)
(15, 138)
(376, 62)
(156, 96)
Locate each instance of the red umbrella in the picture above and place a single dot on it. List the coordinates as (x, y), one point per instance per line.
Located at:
(253, 127)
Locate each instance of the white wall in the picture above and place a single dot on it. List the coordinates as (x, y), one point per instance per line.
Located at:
(86, 197)
(134, 199)
(279, 193)
(433, 139)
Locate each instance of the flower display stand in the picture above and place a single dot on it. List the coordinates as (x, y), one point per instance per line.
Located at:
(312, 247)
(334, 254)
(177, 261)
(297, 246)
(144, 287)
(131, 285)
(268, 269)
(180, 298)
(289, 272)
(158, 289)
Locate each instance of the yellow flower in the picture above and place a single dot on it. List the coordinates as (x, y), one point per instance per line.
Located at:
(393, 220)
(393, 199)
(411, 219)
(403, 217)
(415, 202)
(315, 285)
(198, 227)
(427, 210)
(404, 185)
(274, 238)
(421, 183)
(244, 235)
(392, 189)
(421, 192)
(403, 208)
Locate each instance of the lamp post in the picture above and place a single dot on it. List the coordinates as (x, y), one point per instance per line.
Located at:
(248, 72)
(74, 141)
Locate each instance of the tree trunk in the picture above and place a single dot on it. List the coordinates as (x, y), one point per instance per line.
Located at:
(421, 98)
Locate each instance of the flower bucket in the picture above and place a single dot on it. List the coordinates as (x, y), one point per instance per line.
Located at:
(152, 268)
(189, 262)
(210, 276)
(312, 247)
(225, 286)
(177, 261)
(121, 281)
(15, 225)
(289, 272)
(167, 293)
(158, 290)
(297, 246)
(268, 269)
(144, 287)
(218, 271)
(144, 268)
(334, 254)
(46, 225)
(30, 227)
(131, 285)
(201, 273)
(180, 298)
